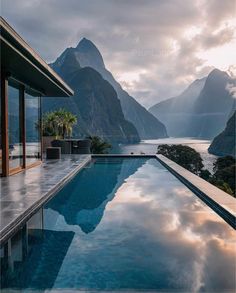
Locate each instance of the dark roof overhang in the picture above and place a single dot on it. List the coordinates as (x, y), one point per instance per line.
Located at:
(21, 62)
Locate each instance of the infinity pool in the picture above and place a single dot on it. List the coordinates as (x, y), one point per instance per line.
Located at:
(127, 224)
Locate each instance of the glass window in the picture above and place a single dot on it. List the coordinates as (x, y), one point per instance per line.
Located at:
(32, 122)
(15, 126)
(0, 131)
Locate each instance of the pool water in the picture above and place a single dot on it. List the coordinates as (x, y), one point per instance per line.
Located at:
(128, 224)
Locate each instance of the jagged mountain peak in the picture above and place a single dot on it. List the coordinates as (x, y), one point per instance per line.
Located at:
(67, 64)
(86, 54)
(214, 94)
(219, 80)
(218, 72)
(85, 43)
(201, 110)
(216, 76)
(89, 55)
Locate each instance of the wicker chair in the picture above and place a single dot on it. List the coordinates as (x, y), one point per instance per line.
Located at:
(81, 146)
(63, 144)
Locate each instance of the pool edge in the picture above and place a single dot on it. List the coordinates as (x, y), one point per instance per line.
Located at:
(218, 202)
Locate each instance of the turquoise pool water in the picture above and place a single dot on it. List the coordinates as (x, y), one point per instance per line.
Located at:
(130, 225)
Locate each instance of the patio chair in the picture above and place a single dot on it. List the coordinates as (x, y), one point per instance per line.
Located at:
(81, 146)
(63, 144)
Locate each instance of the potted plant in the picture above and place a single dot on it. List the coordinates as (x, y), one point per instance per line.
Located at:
(57, 125)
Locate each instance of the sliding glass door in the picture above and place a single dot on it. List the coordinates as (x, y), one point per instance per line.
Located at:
(15, 121)
(32, 130)
(1, 152)
(23, 131)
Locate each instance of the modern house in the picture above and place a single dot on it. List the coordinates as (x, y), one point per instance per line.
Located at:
(25, 80)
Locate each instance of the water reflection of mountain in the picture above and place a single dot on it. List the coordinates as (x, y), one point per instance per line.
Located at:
(40, 269)
(83, 201)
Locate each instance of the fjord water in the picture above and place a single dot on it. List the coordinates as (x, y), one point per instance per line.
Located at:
(150, 147)
(129, 224)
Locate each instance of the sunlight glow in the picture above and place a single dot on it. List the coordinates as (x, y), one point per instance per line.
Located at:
(129, 78)
(220, 57)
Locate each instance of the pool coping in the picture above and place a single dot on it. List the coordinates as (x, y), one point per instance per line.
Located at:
(20, 220)
(219, 201)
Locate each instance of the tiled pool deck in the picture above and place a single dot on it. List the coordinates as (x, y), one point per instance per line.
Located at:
(25, 193)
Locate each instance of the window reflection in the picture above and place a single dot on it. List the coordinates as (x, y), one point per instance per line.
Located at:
(14, 127)
(32, 121)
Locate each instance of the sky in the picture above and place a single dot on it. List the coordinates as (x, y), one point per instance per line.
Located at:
(154, 48)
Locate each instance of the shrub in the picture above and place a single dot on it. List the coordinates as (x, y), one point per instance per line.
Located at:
(98, 145)
(183, 155)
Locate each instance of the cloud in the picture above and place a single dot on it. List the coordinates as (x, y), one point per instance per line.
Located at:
(217, 11)
(232, 71)
(231, 88)
(215, 39)
(151, 46)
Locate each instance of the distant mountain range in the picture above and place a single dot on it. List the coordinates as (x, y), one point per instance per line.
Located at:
(224, 143)
(102, 106)
(202, 110)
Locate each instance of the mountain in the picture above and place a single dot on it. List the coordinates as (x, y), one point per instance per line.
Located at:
(225, 143)
(214, 97)
(213, 106)
(175, 111)
(201, 110)
(95, 102)
(148, 126)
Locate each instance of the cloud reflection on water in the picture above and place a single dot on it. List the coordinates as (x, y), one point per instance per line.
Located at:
(154, 234)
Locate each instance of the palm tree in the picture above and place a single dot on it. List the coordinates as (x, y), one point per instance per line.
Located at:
(58, 123)
(68, 120)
